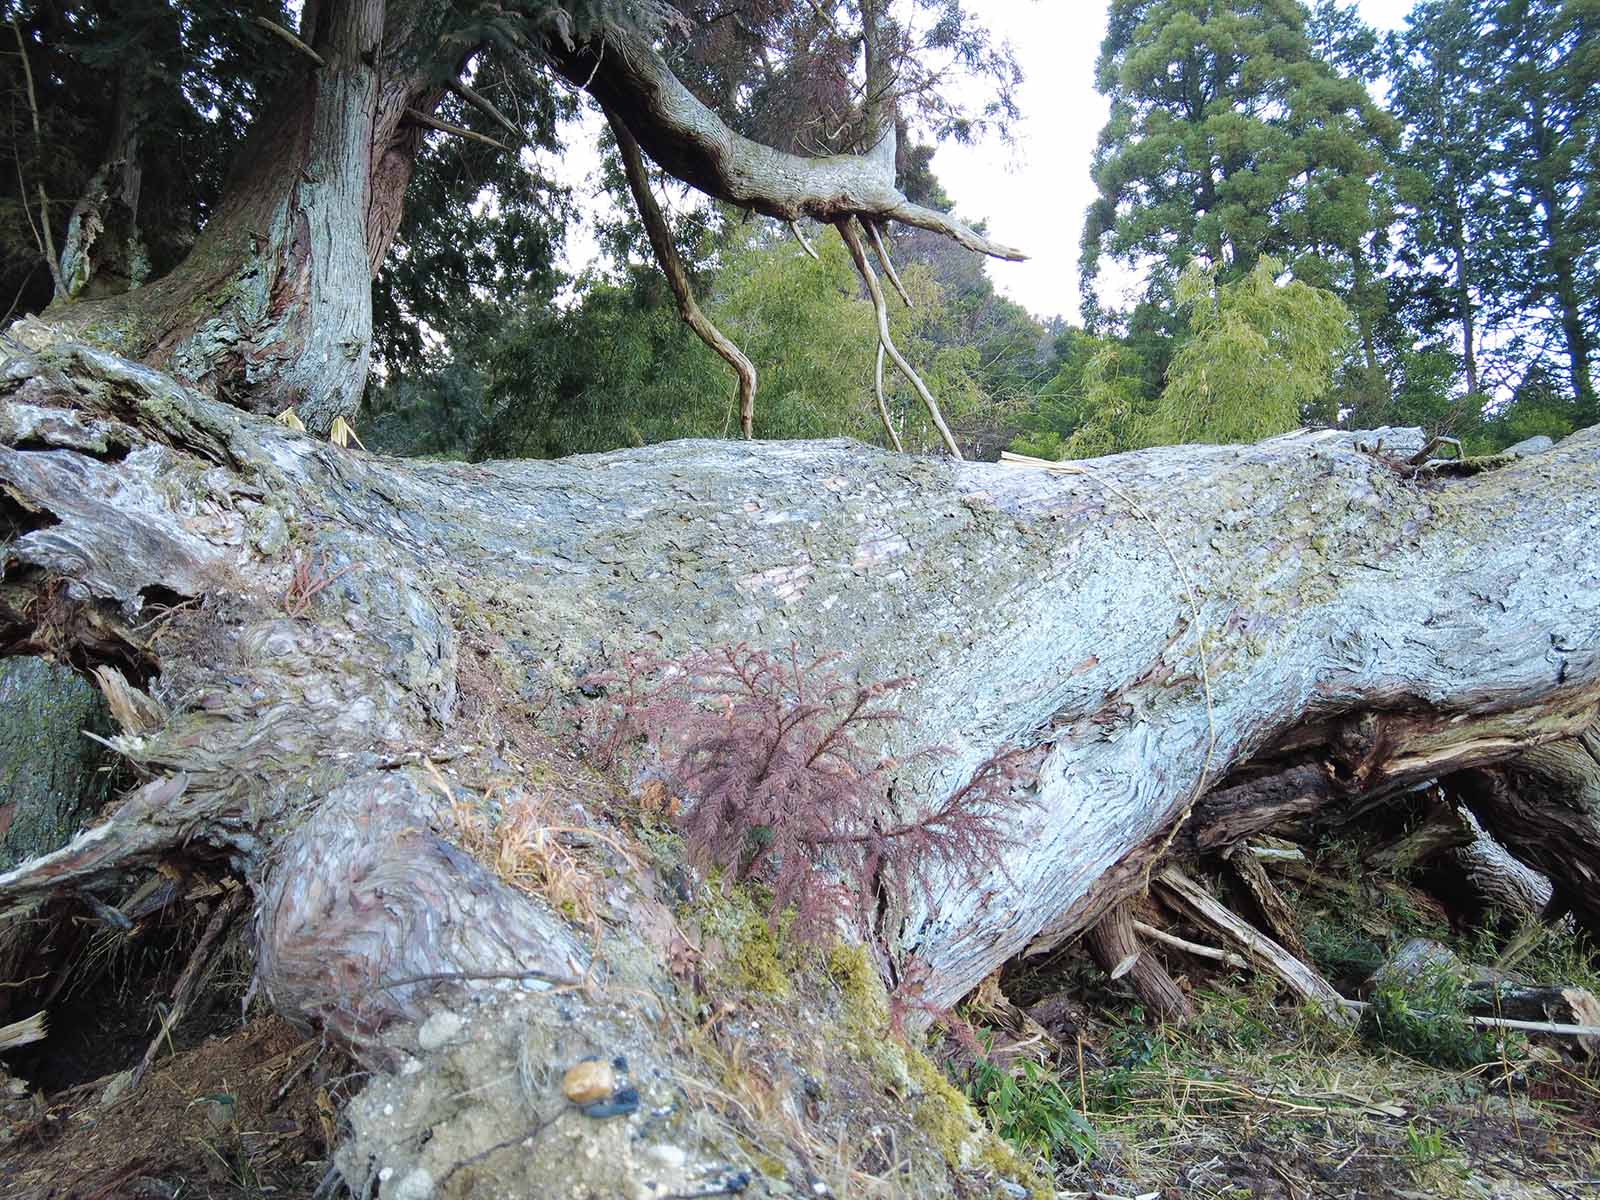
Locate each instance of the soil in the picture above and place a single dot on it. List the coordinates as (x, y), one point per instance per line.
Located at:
(245, 1114)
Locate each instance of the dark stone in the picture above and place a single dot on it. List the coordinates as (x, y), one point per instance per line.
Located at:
(52, 777)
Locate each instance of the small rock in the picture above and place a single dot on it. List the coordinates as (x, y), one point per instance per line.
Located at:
(118, 1085)
(671, 1158)
(1013, 1191)
(588, 1082)
(417, 1185)
(439, 1030)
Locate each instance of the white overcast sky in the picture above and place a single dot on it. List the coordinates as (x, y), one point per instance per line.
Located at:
(1033, 193)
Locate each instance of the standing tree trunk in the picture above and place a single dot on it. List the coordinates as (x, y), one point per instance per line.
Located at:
(273, 307)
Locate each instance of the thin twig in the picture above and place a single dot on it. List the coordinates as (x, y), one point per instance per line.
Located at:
(277, 30)
(422, 118)
(858, 252)
(1552, 1027)
(526, 1135)
(1161, 935)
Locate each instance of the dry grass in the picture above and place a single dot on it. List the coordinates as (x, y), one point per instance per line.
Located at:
(517, 837)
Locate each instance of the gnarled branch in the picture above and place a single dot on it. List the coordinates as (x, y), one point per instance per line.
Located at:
(677, 274)
(692, 143)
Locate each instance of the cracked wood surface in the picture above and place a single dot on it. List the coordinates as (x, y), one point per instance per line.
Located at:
(1385, 628)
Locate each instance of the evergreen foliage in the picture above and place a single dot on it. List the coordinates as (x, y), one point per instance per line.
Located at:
(783, 760)
(1261, 355)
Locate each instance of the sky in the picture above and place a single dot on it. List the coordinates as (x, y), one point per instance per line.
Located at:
(1034, 192)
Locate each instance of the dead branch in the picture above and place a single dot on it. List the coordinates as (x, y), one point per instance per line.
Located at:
(1115, 947)
(1226, 957)
(677, 274)
(852, 239)
(882, 251)
(1274, 910)
(805, 244)
(279, 31)
(626, 73)
(1304, 980)
(483, 105)
(422, 118)
(883, 405)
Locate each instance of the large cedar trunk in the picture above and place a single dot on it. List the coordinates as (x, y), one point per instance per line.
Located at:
(272, 310)
(325, 616)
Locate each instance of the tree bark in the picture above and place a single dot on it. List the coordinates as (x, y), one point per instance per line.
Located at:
(322, 613)
(1544, 807)
(686, 139)
(1115, 947)
(273, 307)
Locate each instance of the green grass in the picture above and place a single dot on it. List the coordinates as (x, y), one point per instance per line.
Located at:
(1034, 1110)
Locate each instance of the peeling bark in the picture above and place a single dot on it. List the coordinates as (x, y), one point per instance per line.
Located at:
(273, 309)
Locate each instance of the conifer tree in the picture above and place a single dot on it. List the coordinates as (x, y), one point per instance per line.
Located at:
(1231, 137)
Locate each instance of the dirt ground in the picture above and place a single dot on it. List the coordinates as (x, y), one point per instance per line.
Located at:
(249, 1113)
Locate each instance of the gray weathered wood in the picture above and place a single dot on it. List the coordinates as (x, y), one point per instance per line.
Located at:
(1380, 629)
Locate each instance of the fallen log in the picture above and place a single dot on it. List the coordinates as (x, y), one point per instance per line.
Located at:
(332, 622)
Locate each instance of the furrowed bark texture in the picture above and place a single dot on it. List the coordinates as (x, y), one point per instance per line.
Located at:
(273, 307)
(1364, 630)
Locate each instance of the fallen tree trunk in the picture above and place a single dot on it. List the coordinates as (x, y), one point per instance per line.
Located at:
(308, 621)
(1114, 943)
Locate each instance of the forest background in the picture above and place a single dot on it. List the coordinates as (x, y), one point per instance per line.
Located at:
(1325, 225)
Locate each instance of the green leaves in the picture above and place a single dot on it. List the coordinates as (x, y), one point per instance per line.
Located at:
(1230, 137)
(1261, 353)
(1031, 1108)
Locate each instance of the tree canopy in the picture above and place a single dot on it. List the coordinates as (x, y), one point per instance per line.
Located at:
(1435, 183)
